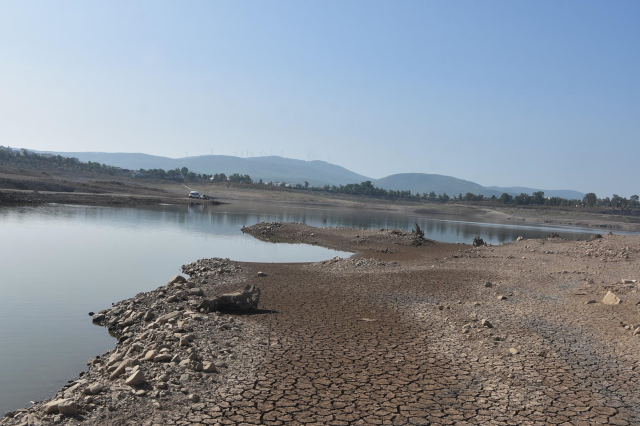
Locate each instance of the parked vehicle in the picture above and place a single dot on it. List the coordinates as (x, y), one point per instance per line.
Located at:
(194, 194)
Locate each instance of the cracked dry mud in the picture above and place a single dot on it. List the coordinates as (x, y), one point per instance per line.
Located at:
(431, 334)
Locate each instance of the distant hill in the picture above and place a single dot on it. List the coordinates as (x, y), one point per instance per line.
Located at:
(269, 168)
(517, 190)
(317, 173)
(421, 183)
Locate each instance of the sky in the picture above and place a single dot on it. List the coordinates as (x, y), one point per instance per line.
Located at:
(543, 94)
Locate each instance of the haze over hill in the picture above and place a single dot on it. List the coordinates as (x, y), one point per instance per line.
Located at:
(317, 173)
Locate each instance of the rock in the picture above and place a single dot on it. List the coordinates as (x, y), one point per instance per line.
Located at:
(98, 317)
(176, 279)
(52, 406)
(209, 367)
(590, 302)
(150, 355)
(9, 414)
(514, 351)
(611, 299)
(148, 316)
(193, 398)
(520, 238)
(502, 297)
(162, 358)
(486, 323)
(196, 292)
(68, 408)
(129, 362)
(488, 284)
(477, 241)
(135, 379)
(114, 358)
(624, 281)
(262, 274)
(94, 389)
(171, 315)
(91, 313)
(636, 331)
(241, 301)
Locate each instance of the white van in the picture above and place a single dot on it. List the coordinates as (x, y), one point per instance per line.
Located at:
(194, 194)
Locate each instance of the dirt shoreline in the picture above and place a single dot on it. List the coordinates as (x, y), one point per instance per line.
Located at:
(404, 332)
(36, 186)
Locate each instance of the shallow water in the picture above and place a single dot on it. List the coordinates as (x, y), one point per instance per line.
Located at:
(60, 262)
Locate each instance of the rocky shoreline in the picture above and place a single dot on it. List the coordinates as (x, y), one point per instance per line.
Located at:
(171, 357)
(406, 331)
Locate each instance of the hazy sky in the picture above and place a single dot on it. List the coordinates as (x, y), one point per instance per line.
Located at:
(534, 93)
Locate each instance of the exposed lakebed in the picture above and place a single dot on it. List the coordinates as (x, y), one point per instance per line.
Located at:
(60, 262)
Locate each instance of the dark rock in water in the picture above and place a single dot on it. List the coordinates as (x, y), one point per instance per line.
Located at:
(91, 313)
(595, 237)
(241, 301)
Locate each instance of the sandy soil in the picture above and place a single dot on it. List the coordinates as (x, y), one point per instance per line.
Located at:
(405, 332)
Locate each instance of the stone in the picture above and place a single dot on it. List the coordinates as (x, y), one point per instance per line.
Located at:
(196, 291)
(148, 316)
(150, 355)
(611, 299)
(114, 358)
(262, 274)
(162, 358)
(590, 302)
(94, 389)
(52, 406)
(624, 281)
(68, 408)
(520, 238)
(514, 351)
(245, 300)
(502, 297)
(209, 367)
(167, 317)
(488, 284)
(486, 323)
(176, 279)
(135, 379)
(193, 398)
(98, 317)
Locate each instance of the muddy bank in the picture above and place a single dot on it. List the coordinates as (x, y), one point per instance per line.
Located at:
(405, 332)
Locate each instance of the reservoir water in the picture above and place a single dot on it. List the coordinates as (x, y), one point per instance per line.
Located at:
(60, 262)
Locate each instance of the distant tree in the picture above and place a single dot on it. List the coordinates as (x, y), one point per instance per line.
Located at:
(184, 171)
(432, 194)
(590, 199)
(634, 200)
(306, 184)
(537, 198)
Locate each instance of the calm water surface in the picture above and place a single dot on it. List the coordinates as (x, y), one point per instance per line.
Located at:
(60, 262)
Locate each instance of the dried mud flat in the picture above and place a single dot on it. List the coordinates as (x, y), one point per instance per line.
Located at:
(405, 332)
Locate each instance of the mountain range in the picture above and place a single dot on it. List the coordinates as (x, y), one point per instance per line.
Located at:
(317, 173)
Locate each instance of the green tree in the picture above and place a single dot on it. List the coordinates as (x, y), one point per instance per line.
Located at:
(590, 199)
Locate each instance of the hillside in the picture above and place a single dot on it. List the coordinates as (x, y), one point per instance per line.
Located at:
(421, 183)
(269, 168)
(317, 173)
